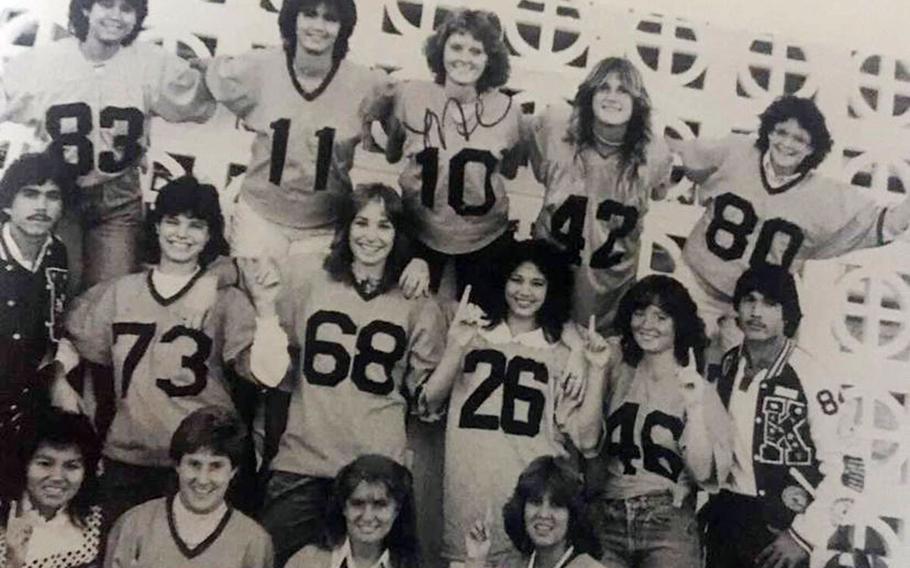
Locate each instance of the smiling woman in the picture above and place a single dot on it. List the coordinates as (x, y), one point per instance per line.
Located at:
(369, 520)
(54, 521)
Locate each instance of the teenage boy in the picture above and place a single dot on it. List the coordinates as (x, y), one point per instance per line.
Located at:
(33, 282)
(776, 505)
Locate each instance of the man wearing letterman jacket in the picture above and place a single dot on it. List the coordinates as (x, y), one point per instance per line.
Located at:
(775, 506)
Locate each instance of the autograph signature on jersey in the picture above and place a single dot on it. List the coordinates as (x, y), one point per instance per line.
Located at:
(462, 122)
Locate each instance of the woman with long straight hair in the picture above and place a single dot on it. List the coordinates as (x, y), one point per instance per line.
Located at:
(601, 164)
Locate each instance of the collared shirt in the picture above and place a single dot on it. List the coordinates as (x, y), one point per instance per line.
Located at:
(563, 560)
(502, 334)
(775, 180)
(9, 245)
(342, 557)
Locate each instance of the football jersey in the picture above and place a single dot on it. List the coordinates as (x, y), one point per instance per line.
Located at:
(500, 418)
(303, 148)
(163, 370)
(97, 114)
(452, 182)
(146, 537)
(592, 210)
(747, 223)
(359, 357)
(643, 449)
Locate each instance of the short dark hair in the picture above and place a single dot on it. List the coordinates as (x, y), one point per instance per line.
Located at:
(554, 265)
(671, 296)
(78, 22)
(60, 429)
(287, 23)
(214, 428)
(557, 478)
(338, 262)
(809, 118)
(35, 169)
(401, 541)
(483, 26)
(776, 284)
(185, 195)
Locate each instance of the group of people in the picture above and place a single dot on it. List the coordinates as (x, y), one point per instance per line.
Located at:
(384, 366)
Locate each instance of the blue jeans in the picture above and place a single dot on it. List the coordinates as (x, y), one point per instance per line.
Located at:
(294, 511)
(102, 229)
(646, 532)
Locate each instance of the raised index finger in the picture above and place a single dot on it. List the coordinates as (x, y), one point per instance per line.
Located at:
(463, 303)
(591, 329)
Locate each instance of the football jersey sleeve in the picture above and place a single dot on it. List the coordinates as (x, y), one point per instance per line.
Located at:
(854, 221)
(426, 342)
(88, 324)
(14, 87)
(234, 82)
(239, 323)
(536, 135)
(658, 168)
(701, 158)
(379, 97)
(178, 92)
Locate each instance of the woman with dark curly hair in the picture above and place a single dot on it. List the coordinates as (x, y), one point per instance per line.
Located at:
(546, 519)
(369, 520)
(499, 373)
(152, 363)
(601, 165)
(456, 134)
(765, 204)
(55, 522)
(644, 422)
(362, 347)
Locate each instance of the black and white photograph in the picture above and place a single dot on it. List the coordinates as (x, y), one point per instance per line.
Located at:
(454, 284)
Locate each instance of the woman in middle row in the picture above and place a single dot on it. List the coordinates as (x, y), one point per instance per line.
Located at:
(500, 373)
(361, 346)
(652, 427)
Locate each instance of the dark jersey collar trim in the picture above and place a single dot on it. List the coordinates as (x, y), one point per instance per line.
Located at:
(781, 189)
(179, 294)
(205, 544)
(308, 95)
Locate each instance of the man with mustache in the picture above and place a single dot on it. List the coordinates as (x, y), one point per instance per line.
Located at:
(774, 506)
(33, 281)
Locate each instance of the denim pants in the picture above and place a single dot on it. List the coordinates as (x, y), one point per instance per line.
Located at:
(294, 511)
(102, 229)
(646, 532)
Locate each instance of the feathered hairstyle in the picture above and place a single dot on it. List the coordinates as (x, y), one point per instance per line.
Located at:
(346, 11)
(78, 21)
(401, 541)
(809, 117)
(557, 479)
(483, 26)
(633, 151)
(672, 297)
(338, 262)
(35, 169)
(776, 284)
